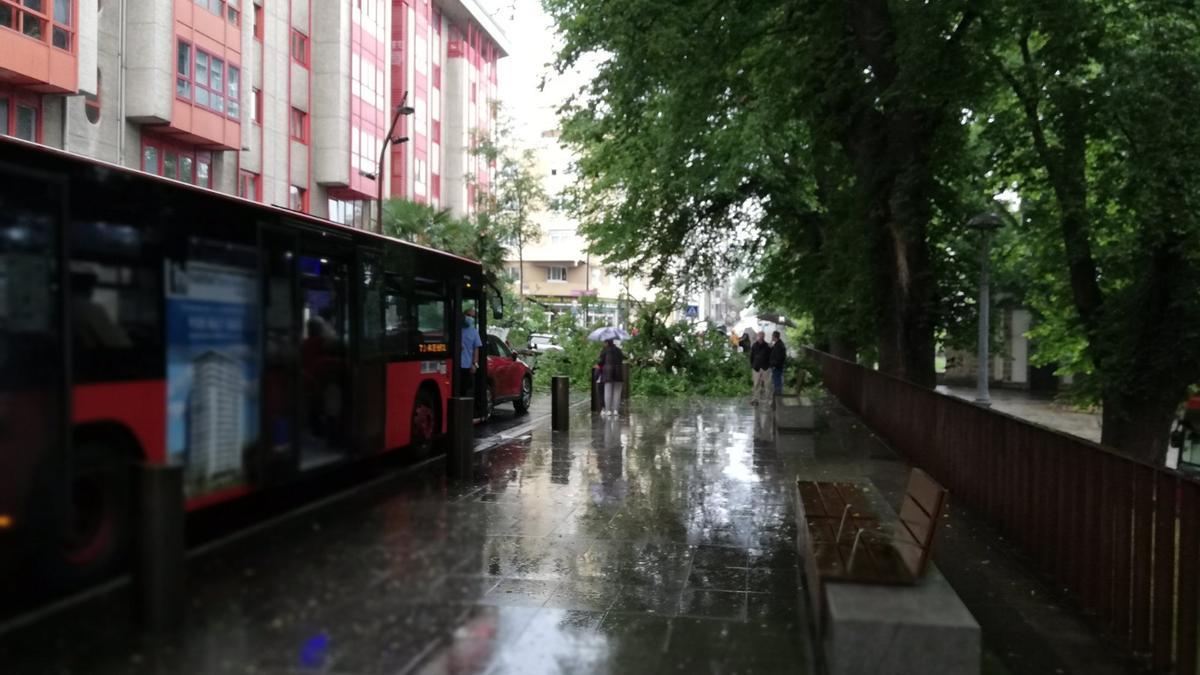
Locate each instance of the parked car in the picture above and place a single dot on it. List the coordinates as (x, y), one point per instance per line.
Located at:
(541, 342)
(509, 378)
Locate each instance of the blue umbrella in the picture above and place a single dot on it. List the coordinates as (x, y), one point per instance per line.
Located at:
(608, 333)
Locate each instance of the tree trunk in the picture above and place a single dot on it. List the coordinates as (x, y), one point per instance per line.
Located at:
(1140, 426)
(521, 267)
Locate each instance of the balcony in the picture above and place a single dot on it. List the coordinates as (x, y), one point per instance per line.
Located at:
(37, 45)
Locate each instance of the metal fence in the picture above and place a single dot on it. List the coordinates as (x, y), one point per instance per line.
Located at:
(1120, 537)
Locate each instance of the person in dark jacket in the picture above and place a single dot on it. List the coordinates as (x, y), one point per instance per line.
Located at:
(778, 361)
(610, 366)
(760, 364)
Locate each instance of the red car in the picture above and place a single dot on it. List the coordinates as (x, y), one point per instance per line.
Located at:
(509, 379)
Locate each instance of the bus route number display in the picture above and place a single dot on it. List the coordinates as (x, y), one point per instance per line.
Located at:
(432, 349)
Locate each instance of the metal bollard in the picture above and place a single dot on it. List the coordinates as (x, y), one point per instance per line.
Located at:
(159, 574)
(560, 402)
(628, 384)
(460, 448)
(597, 395)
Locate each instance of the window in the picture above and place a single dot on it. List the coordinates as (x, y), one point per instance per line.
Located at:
(183, 71)
(257, 112)
(115, 293)
(213, 6)
(560, 236)
(299, 125)
(202, 93)
(4, 116)
(179, 162)
(232, 13)
(248, 185)
(27, 123)
(40, 19)
(514, 273)
(300, 48)
(91, 102)
(297, 198)
(61, 34)
(258, 23)
(207, 85)
(556, 274)
(234, 83)
(431, 318)
(396, 322)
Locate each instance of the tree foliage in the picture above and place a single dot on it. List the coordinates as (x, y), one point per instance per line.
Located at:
(835, 148)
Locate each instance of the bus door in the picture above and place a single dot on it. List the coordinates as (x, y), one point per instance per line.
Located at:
(325, 383)
(370, 366)
(279, 455)
(33, 407)
(473, 299)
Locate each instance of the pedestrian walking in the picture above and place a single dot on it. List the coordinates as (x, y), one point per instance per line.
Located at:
(760, 365)
(609, 366)
(746, 341)
(468, 362)
(778, 361)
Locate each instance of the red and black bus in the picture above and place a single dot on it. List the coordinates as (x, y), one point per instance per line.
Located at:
(145, 320)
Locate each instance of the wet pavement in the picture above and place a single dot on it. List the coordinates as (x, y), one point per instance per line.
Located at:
(659, 542)
(655, 543)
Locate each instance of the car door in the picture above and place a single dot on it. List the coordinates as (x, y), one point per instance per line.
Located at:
(498, 369)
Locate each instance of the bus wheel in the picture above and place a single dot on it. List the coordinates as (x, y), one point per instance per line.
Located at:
(424, 423)
(521, 405)
(96, 529)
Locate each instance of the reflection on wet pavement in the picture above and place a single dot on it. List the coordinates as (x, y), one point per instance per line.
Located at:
(663, 542)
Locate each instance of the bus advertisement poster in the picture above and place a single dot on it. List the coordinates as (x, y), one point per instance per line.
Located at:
(212, 372)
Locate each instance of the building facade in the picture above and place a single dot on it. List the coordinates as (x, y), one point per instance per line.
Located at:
(451, 81)
(286, 102)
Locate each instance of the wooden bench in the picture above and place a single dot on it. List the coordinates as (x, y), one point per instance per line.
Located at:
(870, 579)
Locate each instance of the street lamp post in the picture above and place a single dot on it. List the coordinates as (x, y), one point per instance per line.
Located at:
(986, 224)
(402, 109)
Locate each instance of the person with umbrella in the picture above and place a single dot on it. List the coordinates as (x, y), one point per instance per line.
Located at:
(609, 366)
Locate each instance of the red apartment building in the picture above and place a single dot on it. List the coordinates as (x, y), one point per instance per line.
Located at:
(282, 101)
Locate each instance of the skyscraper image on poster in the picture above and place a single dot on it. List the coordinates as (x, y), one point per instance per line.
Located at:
(213, 365)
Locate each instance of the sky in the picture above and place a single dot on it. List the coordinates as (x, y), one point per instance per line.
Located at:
(530, 32)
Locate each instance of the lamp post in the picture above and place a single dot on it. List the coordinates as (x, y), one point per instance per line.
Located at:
(402, 109)
(986, 224)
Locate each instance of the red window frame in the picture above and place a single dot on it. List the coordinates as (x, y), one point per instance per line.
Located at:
(258, 106)
(229, 103)
(164, 149)
(249, 185)
(41, 25)
(16, 99)
(300, 48)
(258, 23)
(301, 194)
(298, 125)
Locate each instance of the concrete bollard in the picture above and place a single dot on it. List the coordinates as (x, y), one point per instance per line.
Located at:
(460, 448)
(560, 402)
(161, 547)
(628, 384)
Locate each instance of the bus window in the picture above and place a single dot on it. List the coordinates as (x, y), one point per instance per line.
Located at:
(431, 319)
(396, 321)
(372, 307)
(114, 302)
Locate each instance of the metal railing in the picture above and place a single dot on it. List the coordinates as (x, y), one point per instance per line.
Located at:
(1120, 537)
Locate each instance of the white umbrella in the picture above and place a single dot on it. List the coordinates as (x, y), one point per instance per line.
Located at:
(608, 333)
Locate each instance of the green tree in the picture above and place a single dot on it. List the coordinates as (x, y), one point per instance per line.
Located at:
(1096, 125)
(520, 195)
(716, 134)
